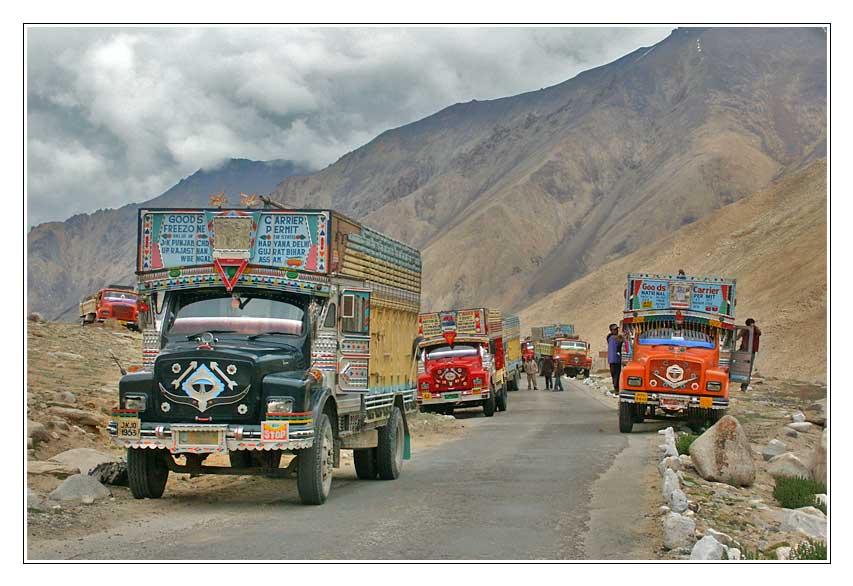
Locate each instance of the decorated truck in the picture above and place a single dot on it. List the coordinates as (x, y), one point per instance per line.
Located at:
(573, 354)
(116, 302)
(528, 351)
(269, 333)
(512, 351)
(677, 359)
(544, 338)
(461, 361)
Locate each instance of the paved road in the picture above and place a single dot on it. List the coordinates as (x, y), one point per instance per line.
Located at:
(519, 485)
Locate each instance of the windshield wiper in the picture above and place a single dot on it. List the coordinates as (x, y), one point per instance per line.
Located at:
(196, 335)
(256, 336)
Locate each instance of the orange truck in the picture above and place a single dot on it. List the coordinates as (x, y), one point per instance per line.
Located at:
(117, 302)
(574, 355)
(461, 361)
(676, 356)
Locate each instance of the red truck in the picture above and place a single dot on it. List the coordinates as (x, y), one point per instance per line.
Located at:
(574, 355)
(461, 361)
(528, 351)
(116, 302)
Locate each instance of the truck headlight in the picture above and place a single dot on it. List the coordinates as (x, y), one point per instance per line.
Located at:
(635, 381)
(135, 402)
(425, 386)
(280, 405)
(714, 386)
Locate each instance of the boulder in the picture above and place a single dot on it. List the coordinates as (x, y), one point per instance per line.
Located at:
(791, 432)
(37, 318)
(37, 431)
(719, 536)
(670, 483)
(114, 473)
(801, 426)
(77, 416)
(773, 448)
(723, 454)
(83, 459)
(67, 397)
(818, 468)
(35, 502)
(707, 548)
(686, 462)
(789, 465)
(678, 500)
(733, 553)
(783, 553)
(78, 488)
(678, 531)
(816, 413)
(808, 521)
(669, 462)
(52, 468)
(798, 417)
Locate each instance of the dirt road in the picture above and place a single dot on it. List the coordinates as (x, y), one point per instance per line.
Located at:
(530, 483)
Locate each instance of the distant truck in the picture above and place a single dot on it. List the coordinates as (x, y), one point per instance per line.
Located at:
(461, 361)
(269, 332)
(118, 302)
(677, 354)
(574, 355)
(512, 351)
(528, 351)
(548, 333)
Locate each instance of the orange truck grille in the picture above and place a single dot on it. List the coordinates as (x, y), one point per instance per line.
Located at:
(675, 374)
(122, 312)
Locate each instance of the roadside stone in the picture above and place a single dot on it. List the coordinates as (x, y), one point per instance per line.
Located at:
(678, 500)
(798, 417)
(51, 468)
(36, 318)
(670, 483)
(783, 553)
(816, 413)
(707, 548)
(663, 509)
(733, 554)
(78, 487)
(29, 443)
(678, 531)
(686, 462)
(67, 397)
(791, 432)
(773, 448)
(818, 467)
(60, 425)
(719, 536)
(83, 459)
(723, 454)
(669, 462)
(77, 416)
(802, 426)
(822, 499)
(34, 501)
(37, 431)
(806, 520)
(789, 465)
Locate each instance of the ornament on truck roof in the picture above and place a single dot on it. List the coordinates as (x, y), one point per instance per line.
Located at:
(218, 200)
(249, 201)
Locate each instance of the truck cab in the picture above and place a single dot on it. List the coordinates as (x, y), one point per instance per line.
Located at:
(676, 330)
(528, 350)
(574, 355)
(118, 303)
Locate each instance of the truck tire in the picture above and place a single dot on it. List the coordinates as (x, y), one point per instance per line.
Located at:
(639, 413)
(314, 467)
(501, 400)
(365, 463)
(586, 373)
(389, 453)
(489, 405)
(512, 384)
(146, 472)
(626, 417)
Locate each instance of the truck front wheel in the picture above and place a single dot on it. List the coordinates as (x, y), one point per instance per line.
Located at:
(489, 404)
(501, 400)
(626, 417)
(365, 463)
(314, 467)
(389, 454)
(147, 472)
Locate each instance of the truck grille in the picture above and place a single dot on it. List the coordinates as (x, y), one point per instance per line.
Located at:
(122, 312)
(452, 377)
(675, 374)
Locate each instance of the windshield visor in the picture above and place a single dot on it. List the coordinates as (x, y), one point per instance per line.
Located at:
(120, 296)
(677, 337)
(247, 314)
(456, 351)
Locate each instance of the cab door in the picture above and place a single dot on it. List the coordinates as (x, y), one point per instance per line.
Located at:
(740, 361)
(354, 347)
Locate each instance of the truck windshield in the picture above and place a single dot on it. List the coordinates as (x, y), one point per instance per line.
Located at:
(456, 351)
(573, 346)
(249, 314)
(676, 337)
(120, 296)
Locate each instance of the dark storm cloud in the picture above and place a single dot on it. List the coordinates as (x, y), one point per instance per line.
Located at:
(119, 115)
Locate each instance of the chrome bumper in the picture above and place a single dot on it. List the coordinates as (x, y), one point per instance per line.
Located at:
(231, 438)
(654, 399)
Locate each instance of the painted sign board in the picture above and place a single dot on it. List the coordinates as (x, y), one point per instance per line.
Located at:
(705, 295)
(463, 322)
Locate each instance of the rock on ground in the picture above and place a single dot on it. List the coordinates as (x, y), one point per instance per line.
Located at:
(37, 318)
(35, 502)
(791, 432)
(77, 416)
(707, 548)
(816, 413)
(798, 417)
(773, 448)
(806, 520)
(719, 536)
(783, 553)
(79, 488)
(37, 431)
(819, 460)
(678, 500)
(669, 462)
(789, 465)
(678, 531)
(53, 468)
(800, 426)
(114, 473)
(670, 483)
(723, 454)
(84, 459)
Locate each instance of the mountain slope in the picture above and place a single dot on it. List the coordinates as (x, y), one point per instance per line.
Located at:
(772, 242)
(545, 186)
(67, 260)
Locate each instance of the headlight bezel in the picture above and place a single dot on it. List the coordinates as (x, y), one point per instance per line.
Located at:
(714, 383)
(635, 381)
(279, 405)
(135, 402)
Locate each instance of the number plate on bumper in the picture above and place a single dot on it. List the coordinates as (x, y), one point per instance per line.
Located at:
(127, 428)
(196, 438)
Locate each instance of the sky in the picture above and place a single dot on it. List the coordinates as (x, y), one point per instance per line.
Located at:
(118, 115)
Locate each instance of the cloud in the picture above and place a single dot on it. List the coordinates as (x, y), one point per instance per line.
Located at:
(119, 115)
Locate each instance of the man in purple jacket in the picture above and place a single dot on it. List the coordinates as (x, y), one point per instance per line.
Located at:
(614, 355)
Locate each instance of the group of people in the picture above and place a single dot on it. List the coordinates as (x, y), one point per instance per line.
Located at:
(552, 369)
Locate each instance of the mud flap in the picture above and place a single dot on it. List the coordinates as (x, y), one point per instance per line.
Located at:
(407, 438)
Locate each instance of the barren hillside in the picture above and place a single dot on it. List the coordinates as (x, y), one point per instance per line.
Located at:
(772, 242)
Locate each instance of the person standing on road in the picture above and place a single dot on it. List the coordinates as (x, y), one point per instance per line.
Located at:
(558, 373)
(744, 341)
(532, 371)
(547, 370)
(614, 355)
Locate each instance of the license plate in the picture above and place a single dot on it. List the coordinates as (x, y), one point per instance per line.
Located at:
(673, 403)
(274, 431)
(128, 428)
(641, 397)
(706, 402)
(451, 396)
(426, 396)
(199, 438)
(122, 322)
(477, 391)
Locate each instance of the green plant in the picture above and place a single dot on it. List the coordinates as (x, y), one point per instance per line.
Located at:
(793, 493)
(682, 443)
(809, 550)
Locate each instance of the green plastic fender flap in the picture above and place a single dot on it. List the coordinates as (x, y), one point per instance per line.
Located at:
(407, 445)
